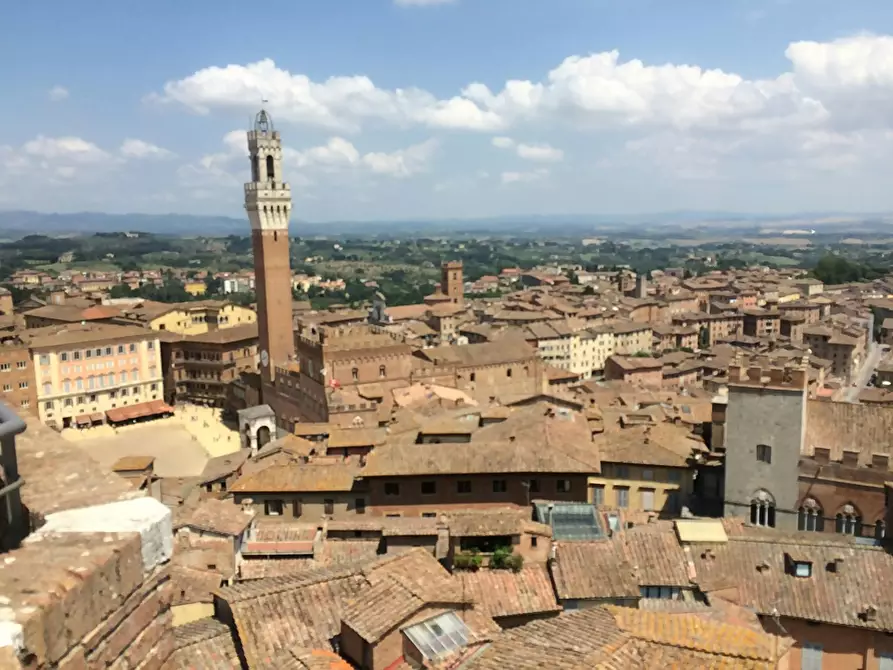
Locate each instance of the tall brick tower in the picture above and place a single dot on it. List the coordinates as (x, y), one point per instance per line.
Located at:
(268, 202)
(451, 282)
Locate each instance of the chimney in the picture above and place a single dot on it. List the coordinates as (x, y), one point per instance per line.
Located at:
(821, 455)
(708, 555)
(850, 458)
(762, 567)
(248, 505)
(869, 613)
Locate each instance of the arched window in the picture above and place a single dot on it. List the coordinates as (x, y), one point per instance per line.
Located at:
(762, 509)
(382, 371)
(271, 173)
(134, 375)
(255, 170)
(355, 374)
(508, 372)
(810, 516)
(123, 376)
(849, 521)
(880, 530)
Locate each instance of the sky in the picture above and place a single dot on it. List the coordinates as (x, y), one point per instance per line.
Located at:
(430, 109)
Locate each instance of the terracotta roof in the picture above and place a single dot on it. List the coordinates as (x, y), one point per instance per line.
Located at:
(494, 523)
(355, 437)
(206, 644)
(506, 350)
(305, 609)
(505, 593)
(647, 555)
(846, 578)
(398, 460)
(245, 331)
(617, 638)
(305, 659)
(839, 426)
(664, 445)
(320, 475)
(224, 466)
(68, 334)
(220, 516)
(127, 463)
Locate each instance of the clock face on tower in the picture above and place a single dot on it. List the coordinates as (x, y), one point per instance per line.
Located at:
(264, 358)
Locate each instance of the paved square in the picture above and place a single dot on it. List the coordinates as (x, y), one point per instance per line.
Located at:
(177, 453)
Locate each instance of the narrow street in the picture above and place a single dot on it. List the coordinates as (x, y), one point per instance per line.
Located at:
(851, 393)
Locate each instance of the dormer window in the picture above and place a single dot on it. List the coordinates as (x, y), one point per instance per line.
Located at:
(802, 569)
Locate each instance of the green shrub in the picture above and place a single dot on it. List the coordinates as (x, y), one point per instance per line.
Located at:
(467, 561)
(514, 562)
(499, 558)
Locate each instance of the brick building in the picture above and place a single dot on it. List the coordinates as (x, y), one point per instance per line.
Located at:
(639, 371)
(202, 366)
(19, 390)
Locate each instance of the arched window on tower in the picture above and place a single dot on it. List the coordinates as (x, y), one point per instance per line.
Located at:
(255, 169)
(811, 516)
(849, 521)
(355, 374)
(382, 371)
(762, 509)
(271, 172)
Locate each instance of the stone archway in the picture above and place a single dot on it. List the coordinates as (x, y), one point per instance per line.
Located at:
(257, 427)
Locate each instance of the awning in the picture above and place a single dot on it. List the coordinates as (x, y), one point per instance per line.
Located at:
(138, 411)
(82, 419)
(96, 417)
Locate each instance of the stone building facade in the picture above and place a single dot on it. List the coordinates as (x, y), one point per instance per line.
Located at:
(766, 425)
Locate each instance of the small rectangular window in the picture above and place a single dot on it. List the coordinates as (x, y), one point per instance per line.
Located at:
(622, 493)
(328, 506)
(392, 489)
(533, 485)
(44, 359)
(811, 656)
(764, 453)
(463, 486)
(429, 488)
(598, 495)
(273, 507)
(500, 486)
(563, 486)
(64, 356)
(360, 505)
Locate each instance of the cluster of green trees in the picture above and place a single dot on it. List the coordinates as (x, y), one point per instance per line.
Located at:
(836, 269)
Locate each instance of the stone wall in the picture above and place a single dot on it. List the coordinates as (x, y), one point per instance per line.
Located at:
(89, 587)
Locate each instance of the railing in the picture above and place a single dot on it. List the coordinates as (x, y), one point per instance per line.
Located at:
(13, 527)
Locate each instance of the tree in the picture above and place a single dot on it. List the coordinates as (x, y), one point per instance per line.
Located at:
(214, 285)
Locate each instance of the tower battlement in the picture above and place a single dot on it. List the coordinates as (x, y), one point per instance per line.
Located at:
(756, 373)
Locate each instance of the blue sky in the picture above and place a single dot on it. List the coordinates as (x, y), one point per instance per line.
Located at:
(451, 108)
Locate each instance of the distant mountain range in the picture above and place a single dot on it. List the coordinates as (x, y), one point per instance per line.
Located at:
(19, 223)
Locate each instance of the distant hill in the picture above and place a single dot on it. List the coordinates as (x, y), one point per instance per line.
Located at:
(15, 224)
(19, 223)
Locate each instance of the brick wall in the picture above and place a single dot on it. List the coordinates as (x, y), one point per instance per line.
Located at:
(89, 587)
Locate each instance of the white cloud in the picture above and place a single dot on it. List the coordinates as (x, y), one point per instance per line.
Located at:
(70, 149)
(542, 153)
(422, 3)
(341, 103)
(132, 148)
(403, 162)
(524, 177)
(226, 168)
(58, 93)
